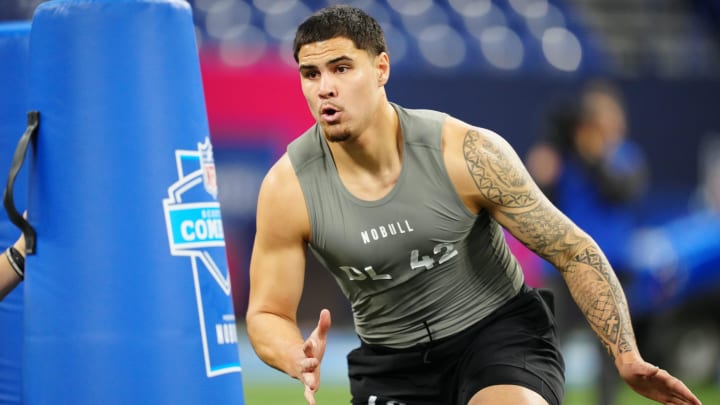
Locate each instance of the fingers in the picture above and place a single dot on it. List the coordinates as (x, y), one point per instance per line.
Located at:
(311, 386)
(314, 345)
(313, 349)
(657, 384)
(682, 393)
(683, 401)
(308, 365)
(309, 396)
(677, 390)
(310, 381)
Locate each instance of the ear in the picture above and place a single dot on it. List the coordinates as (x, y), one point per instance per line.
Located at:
(382, 64)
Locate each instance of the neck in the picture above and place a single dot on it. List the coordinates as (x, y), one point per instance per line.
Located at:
(377, 148)
(370, 164)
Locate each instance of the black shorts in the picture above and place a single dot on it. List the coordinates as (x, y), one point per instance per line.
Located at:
(517, 344)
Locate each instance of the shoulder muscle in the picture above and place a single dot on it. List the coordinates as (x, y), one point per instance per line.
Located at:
(484, 168)
(281, 209)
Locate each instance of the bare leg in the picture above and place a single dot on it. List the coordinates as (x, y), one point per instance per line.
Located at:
(507, 394)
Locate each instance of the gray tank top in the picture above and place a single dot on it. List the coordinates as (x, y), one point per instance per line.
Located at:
(416, 265)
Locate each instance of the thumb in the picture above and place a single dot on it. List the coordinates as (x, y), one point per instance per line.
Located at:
(324, 324)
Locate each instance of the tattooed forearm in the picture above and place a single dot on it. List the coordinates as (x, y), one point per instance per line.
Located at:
(493, 173)
(599, 295)
(546, 234)
(589, 277)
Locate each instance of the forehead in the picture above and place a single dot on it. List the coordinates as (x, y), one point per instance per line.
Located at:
(317, 52)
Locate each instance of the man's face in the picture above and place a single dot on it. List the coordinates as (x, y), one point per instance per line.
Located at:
(608, 118)
(341, 85)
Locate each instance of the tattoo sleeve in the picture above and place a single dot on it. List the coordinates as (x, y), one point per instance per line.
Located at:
(516, 203)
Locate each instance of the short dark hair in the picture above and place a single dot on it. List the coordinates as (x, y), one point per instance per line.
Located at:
(599, 86)
(341, 21)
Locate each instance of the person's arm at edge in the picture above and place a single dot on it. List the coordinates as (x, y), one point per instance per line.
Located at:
(509, 193)
(9, 278)
(277, 270)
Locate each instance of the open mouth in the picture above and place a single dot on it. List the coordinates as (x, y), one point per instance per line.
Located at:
(329, 113)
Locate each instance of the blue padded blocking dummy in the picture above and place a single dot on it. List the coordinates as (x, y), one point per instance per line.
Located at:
(127, 294)
(14, 45)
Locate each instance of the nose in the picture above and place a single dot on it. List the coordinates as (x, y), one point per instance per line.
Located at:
(327, 87)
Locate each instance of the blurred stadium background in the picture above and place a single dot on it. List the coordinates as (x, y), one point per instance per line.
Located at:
(497, 64)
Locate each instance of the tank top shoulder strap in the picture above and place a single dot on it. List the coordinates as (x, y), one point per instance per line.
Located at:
(421, 126)
(306, 149)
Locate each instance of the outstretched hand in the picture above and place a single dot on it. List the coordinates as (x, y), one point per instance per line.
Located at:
(314, 349)
(656, 384)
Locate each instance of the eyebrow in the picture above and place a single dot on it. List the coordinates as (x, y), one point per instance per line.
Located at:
(342, 58)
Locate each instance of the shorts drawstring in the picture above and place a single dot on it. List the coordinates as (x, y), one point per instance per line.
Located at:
(426, 353)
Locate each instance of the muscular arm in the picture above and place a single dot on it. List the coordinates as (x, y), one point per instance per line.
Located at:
(488, 175)
(509, 194)
(277, 269)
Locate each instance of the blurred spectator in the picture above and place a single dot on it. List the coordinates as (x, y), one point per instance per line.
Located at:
(680, 259)
(677, 276)
(707, 197)
(595, 174)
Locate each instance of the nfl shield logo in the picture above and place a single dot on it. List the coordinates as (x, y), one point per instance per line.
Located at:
(207, 163)
(195, 230)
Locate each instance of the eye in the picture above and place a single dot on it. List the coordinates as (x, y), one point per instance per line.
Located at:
(342, 69)
(311, 74)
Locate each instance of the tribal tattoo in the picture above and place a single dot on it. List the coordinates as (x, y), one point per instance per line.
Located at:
(600, 297)
(493, 173)
(550, 234)
(546, 232)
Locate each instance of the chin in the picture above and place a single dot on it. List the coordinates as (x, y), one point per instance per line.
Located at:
(335, 133)
(338, 137)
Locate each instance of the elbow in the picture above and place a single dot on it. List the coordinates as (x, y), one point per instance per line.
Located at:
(252, 322)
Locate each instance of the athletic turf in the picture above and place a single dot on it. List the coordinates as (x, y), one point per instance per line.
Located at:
(292, 394)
